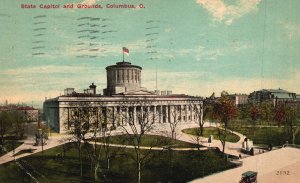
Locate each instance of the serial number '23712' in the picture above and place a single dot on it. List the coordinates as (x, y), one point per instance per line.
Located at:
(282, 172)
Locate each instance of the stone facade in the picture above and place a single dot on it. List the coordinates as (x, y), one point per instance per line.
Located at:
(122, 106)
(274, 96)
(122, 77)
(239, 99)
(120, 110)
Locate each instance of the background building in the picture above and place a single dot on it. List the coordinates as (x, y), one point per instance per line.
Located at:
(31, 113)
(239, 99)
(274, 95)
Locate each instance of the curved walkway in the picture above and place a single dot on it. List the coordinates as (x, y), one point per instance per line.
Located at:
(230, 147)
(162, 129)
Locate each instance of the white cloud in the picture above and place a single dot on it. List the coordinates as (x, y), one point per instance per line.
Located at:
(201, 52)
(226, 13)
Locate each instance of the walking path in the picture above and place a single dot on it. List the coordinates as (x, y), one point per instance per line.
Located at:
(162, 129)
(230, 147)
(270, 166)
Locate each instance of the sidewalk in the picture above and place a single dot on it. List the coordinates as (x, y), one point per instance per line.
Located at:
(162, 129)
(29, 144)
(268, 165)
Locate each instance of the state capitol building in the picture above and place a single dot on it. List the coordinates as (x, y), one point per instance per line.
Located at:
(124, 98)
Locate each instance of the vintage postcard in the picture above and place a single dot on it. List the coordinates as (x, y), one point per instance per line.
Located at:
(150, 91)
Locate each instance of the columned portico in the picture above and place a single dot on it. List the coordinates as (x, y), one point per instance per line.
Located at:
(161, 114)
(167, 114)
(124, 102)
(134, 115)
(154, 114)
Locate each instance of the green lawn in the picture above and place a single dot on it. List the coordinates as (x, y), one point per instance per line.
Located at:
(266, 135)
(149, 140)
(161, 166)
(213, 131)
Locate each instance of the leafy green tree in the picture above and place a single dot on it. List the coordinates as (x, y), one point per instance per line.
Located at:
(224, 110)
(292, 122)
(12, 122)
(279, 114)
(5, 125)
(19, 122)
(266, 111)
(255, 114)
(243, 113)
(207, 113)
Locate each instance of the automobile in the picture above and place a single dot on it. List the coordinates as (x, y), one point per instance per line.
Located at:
(249, 177)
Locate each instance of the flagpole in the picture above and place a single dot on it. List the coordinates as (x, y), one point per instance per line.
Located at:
(123, 54)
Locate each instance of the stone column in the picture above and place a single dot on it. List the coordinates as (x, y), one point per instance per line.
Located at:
(171, 110)
(127, 116)
(114, 116)
(121, 116)
(186, 113)
(134, 114)
(142, 114)
(161, 114)
(148, 113)
(154, 113)
(167, 114)
(180, 113)
(192, 113)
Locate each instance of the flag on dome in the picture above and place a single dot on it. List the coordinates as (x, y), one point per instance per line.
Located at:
(125, 50)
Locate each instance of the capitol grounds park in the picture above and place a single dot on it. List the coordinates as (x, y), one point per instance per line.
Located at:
(144, 151)
(117, 153)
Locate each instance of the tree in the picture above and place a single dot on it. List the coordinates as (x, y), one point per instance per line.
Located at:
(79, 127)
(19, 123)
(12, 122)
(137, 124)
(203, 113)
(288, 115)
(174, 111)
(224, 110)
(200, 111)
(279, 114)
(5, 125)
(89, 121)
(243, 113)
(292, 122)
(255, 114)
(266, 111)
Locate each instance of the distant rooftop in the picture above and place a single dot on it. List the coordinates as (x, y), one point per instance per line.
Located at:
(279, 90)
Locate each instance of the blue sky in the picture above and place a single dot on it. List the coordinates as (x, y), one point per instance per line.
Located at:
(196, 46)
